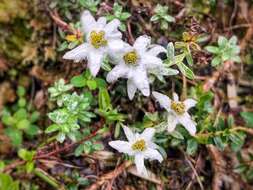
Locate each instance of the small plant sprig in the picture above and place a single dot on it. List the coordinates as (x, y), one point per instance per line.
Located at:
(58, 91)
(227, 50)
(7, 183)
(67, 119)
(119, 14)
(28, 157)
(245, 167)
(19, 120)
(90, 4)
(178, 60)
(161, 16)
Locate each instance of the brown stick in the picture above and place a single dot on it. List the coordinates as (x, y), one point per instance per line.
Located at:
(110, 176)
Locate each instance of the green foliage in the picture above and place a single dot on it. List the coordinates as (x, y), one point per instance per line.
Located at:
(244, 168)
(88, 146)
(78, 182)
(67, 119)
(119, 14)
(58, 91)
(248, 118)
(162, 17)
(7, 183)
(28, 157)
(87, 80)
(178, 60)
(227, 50)
(105, 108)
(19, 120)
(90, 4)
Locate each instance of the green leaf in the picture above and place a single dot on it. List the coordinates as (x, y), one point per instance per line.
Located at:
(231, 121)
(29, 167)
(34, 116)
(32, 130)
(52, 128)
(61, 137)
(222, 41)
(125, 16)
(177, 135)
(233, 40)
(105, 64)
(169, 18)
(22, 102)
(237, 141)
(25, 154)
(219, 143)
(23, 124)
(78, 81)
(212, 49)
(164, 25)
(186, 71)
(20, 114)
(104, 100)
(97, 147)
(8, 120)
(154, 18)
(189, 59)
(192, 146)
(15, 135)
(122, 27)
(7, 183)
(101, 83)
(171, 53)
(216, 61)
(92, 84)
(236, 59)
(240, 168)
(79, 150)
(248, 118)
(21, 91)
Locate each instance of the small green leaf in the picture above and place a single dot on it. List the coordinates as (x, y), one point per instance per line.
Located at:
(21, 91)
(52, 128)
(222, 41)
(177, 135)
(169, 18)
(79, 150)
(154, 18)
(212, 49)
(248, 118)
(216, 61)
(189, 59)
(78, 81)
(192, 146)
(104, 100)
(23, 124)
(61, 137)
(219, 143)
(186, 71)
(15, 135)
(92, 84)
(29, 167)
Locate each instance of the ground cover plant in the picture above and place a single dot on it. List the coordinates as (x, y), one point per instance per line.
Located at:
(101, 94)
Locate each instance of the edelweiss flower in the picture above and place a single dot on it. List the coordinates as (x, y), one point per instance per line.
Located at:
(177, 111)
(135, 62)
(140, 146)
(101, 39)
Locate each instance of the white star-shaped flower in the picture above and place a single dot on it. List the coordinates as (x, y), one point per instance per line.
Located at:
(101, 40)
(140, 146)
(135, 63)
(177, 112)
